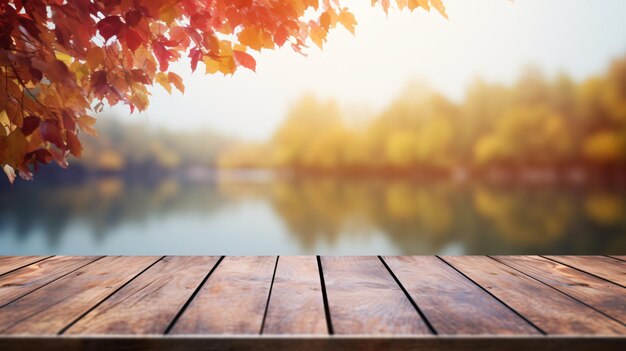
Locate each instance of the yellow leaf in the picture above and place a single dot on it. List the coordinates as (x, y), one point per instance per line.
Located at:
(65, 58)
(438, 5)
(318, 35)
(4, 124)
(347, 20)
(140, 100)
(226, 48)
(424, 4)
(227, 65)
(162, 79)
(212, 66)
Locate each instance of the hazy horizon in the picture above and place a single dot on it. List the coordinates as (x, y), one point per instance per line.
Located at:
(367, 71)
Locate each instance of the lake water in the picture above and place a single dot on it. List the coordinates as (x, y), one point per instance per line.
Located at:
(258, 215)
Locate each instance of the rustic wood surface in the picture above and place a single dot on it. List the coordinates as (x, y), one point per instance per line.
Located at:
(32, 277)
(309, 302)
(233, 299)
(600, 294)
(604, 267)
(296, 305)
(11, 263)
(548, 309)
(363, 298)
(150, 302)
(451, 302)
(50, 309)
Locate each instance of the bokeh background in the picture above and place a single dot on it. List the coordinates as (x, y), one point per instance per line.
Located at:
(499, 131)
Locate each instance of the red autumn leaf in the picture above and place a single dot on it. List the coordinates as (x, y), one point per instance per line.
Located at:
(132, 17)
(99, 83)
(30, 26)
(162, 54)
(109, 27)
(133, 40)
(140, 76)
(195, 55)
(245, 59)
(281, 35)
(40, 155)
(29, 124)
(50, 132)
(69, 123)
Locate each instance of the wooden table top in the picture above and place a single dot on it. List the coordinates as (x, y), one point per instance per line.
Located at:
(312, 302)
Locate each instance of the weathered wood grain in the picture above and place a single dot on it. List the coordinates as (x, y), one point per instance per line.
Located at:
(452, 303)
(11, 263)
(24, 280)
(296, 303)
(232, 300)
(363, 298)
(51, 308)
(212, 305)
(149, 303)
(621, 258)
(603, 267)
(600, 294)
(548, 309)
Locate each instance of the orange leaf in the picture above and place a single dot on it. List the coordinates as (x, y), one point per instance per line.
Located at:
(245, 60)
(177, 81)
(73, 144)
(86, 124)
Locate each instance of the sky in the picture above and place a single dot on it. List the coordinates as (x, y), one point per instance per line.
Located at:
(491, 39)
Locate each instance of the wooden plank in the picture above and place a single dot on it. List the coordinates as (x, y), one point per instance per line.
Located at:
(11, 263)
(232, 300)
(32, 277)
(296, 303)
(53, 307)
(600, 294)
(363, 298)
(548, 309)
(600, 266)
(621, 258)
(149, 303)
(452, 303)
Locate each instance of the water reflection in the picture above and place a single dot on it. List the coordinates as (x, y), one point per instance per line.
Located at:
(273, 215)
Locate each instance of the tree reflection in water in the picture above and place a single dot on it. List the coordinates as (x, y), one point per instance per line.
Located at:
(416, 217)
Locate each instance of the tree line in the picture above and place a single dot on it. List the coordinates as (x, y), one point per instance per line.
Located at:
(535, 123)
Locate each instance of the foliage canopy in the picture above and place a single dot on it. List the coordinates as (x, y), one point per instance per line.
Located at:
(61, 60)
